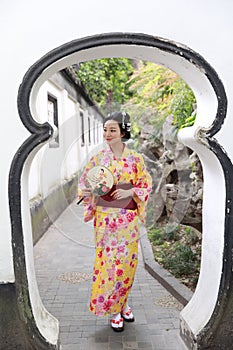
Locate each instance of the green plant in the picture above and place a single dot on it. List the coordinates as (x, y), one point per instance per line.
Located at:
(178, 251)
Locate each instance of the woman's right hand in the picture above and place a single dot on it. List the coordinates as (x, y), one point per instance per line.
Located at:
(86, 192)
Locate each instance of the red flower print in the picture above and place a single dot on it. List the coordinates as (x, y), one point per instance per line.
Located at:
(134, 169)
(103, 281)
(107, 305)
(118, 261)
(122, 291)
(120, 221)
(94, 301)
(126, 281)
(119, 272)
(100, 254)
(113, 225)
(96, 272)
(107, 249)
(130, 217)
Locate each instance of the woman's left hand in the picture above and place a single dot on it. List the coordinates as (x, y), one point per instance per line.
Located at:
(121, 194)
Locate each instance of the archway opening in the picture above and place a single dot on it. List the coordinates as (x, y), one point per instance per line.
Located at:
(200, 77)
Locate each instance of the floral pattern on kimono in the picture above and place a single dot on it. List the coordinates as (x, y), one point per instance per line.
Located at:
(116, 231)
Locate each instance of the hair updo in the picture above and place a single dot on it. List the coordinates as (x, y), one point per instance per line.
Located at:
(123, 120)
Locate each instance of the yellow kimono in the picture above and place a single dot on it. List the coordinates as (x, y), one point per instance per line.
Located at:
(116, 231)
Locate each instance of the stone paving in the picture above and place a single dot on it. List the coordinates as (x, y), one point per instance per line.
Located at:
(63, 262)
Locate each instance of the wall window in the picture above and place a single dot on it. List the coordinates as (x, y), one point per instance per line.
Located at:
(82, 129)
(89, 130)
(94, 132)
(52, 111)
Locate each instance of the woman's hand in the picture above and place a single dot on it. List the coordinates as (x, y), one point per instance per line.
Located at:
(86, 192)
(122, 194)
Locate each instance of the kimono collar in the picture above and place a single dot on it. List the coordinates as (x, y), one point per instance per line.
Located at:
(108, 155)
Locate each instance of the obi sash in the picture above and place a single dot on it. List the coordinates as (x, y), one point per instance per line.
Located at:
(126, 203)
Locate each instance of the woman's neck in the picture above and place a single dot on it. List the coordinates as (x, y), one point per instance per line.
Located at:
(117, 149)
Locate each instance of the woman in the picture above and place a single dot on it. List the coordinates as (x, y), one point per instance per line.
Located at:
(116, 221)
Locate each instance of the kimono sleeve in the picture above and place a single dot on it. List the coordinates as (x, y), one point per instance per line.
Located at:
(142, 187)
(89, 203)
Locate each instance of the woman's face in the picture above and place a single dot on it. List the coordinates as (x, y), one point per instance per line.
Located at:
(112, 132)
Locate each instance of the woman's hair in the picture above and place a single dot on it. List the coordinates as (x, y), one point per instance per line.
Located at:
(123, 120)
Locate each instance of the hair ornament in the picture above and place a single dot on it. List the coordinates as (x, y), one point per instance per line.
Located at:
(123, 120)
(128, 127)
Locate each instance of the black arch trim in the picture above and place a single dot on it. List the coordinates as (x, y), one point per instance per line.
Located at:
(42, 132)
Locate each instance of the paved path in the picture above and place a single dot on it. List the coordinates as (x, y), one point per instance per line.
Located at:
(64, 260)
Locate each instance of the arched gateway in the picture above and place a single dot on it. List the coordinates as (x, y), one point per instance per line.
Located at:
(206, 320)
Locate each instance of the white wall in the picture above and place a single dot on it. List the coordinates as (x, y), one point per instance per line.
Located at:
(53, 164)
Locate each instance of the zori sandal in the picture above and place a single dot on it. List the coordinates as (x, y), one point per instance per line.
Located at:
(128, 315)
(117, 325)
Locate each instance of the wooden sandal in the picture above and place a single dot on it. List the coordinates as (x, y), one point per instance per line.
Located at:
(128, 315)
(117, 326)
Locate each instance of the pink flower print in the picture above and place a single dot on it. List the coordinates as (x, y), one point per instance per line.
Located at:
(101, 299)
(111, 273)
(113, 243)
(140, 192)
(130, 158)
(105, 189)
(121, 249)
(105, 160)
(133, 234)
